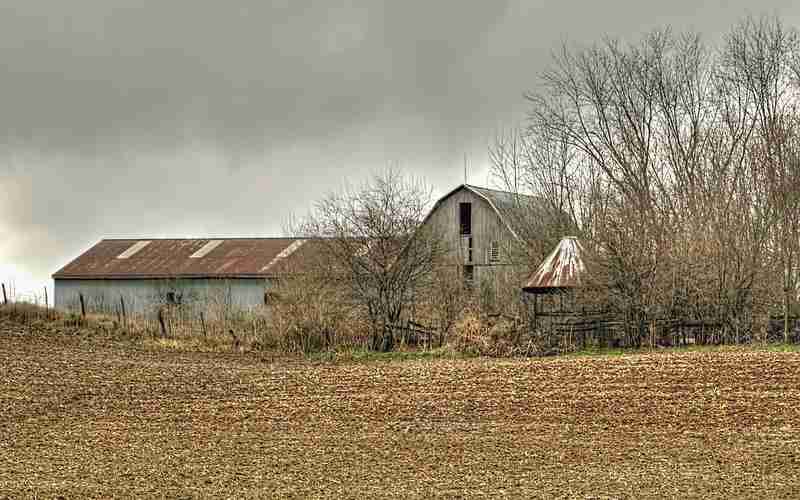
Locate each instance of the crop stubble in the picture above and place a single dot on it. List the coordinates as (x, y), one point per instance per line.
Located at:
(98, 417)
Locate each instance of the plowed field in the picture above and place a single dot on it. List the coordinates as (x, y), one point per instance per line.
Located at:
(83, 417)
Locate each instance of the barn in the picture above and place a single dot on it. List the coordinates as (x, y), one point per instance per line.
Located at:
(144, 274)
(478, 226)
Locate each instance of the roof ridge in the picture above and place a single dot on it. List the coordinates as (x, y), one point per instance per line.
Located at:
(209, 238)
(514, 193)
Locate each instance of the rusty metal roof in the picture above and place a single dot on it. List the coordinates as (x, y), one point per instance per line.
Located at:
(185, 258)
(563, 268)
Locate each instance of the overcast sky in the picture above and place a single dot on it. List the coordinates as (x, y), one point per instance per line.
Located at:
(158, 118)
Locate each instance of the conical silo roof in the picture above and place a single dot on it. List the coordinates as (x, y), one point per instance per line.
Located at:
(563, 268)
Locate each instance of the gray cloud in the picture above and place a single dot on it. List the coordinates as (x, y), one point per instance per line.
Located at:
(249, 78)
(186, 118)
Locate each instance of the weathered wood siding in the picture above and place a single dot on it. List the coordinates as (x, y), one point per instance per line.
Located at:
(486, 227)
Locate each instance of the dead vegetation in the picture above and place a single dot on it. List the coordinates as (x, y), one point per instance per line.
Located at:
(677, 161)
(90, 416)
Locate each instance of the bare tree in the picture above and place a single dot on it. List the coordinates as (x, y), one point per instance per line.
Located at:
(541, 172)
(443, 302)
(677, 164)
(310, 312)
(375, 248)
(761, 58)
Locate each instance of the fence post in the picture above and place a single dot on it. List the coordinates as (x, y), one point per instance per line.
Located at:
(46, 305)
(5, 297)
(122, 306)
(83, 305)
(161, 321)
(203, 323)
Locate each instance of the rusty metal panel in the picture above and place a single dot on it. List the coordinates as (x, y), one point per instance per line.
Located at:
(173, 258)
(563, 268)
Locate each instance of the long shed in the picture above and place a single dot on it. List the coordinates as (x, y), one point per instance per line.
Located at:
(146, 273)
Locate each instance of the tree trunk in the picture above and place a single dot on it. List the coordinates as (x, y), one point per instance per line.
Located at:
(375, 344)
(786, 315)
(388, 340)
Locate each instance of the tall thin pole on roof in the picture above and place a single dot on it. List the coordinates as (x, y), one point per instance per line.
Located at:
(465, 168)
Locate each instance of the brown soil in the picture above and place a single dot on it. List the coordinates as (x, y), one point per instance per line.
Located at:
(97, 417)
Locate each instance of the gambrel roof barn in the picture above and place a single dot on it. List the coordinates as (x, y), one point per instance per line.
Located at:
(504, 204)
(479, 224)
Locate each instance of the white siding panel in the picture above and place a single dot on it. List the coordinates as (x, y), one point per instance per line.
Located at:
(143, 296)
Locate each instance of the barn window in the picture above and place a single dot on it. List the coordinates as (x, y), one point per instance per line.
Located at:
(465, 218)
(173, 298)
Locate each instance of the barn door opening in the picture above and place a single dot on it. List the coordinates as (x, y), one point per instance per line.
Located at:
(465, 218)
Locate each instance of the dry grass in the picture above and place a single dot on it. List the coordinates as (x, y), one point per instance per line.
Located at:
(98, 417)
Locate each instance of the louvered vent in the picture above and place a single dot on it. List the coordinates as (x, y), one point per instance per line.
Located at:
(494, 253)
